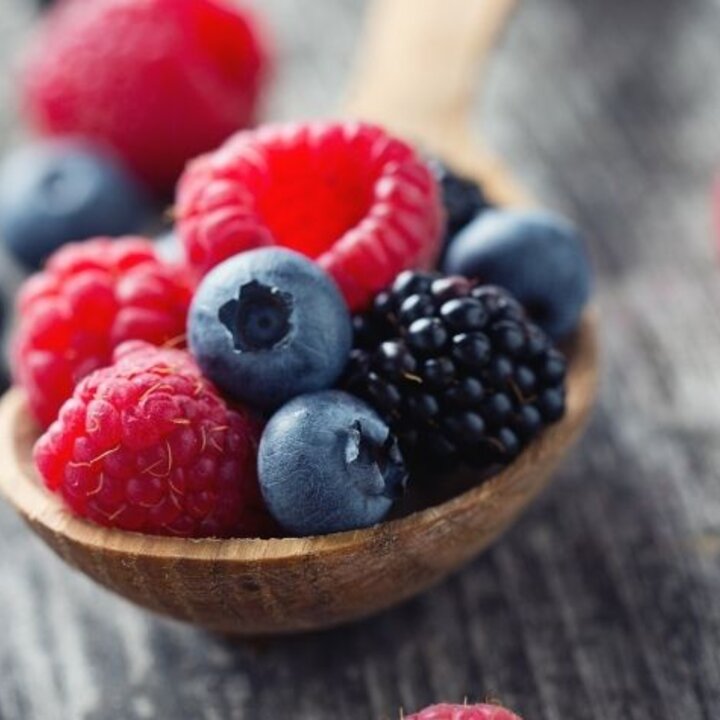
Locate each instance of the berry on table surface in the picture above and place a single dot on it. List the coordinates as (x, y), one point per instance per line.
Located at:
(357, 200)
(148, 445)
(160, 81)
(91, 297)
(328, 463)
(268, 325)
(457, 371)
(57, 191)
(463, 712)
(462, 198)
(538, 257)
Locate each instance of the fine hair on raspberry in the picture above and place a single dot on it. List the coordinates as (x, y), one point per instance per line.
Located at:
(148, 445)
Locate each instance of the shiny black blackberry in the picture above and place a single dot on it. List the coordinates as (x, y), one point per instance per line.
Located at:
(462, 197)
(458, 371)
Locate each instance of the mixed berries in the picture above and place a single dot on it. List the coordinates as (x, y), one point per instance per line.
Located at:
(327, 360)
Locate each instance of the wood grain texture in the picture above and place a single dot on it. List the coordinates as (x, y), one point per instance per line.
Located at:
(604, 601)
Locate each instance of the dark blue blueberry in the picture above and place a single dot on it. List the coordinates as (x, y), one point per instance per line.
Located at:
(269, 324)
(328, 463)
(60, 191)
(539, 258)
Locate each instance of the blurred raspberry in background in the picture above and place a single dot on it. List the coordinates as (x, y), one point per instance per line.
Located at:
(159, 81)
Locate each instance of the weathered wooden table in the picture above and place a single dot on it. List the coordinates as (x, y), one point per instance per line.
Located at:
(604, 601)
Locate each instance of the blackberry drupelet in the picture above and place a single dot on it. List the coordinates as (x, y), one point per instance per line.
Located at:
(457, 371)
(462, 197)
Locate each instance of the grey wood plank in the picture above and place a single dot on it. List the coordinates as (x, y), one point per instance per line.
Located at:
(604, 601)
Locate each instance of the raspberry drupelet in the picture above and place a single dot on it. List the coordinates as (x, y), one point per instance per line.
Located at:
(91, 297)
(148, 445)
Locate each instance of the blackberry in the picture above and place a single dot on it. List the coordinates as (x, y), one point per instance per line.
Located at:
(462, 197)
(458, 371)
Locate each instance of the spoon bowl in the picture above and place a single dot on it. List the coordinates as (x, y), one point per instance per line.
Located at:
(255, 587)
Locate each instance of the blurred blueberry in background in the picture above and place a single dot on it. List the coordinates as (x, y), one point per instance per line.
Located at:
(539, 257)
(58, 191)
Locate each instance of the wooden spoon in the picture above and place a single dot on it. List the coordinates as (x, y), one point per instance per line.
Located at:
(417, 77)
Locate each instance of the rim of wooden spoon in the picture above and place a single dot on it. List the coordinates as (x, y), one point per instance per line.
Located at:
(420, 104)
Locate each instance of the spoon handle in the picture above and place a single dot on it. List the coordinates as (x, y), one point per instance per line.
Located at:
(418, 71)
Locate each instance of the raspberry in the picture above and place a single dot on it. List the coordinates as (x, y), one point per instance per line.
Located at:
(357, 200)
(158, 80)
(91, 297)
(463, 712)
(148, 445)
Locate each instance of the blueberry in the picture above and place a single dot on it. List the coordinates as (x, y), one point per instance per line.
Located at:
(328, 463)
(538, 257)
(269, 324)
(59, 191)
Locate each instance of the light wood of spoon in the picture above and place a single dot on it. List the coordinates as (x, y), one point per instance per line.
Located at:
(421, 89)
(420, 72)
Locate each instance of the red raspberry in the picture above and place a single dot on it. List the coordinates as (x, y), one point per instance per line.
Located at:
(158, 80)
(347, 194)
(91, 297)
(148, 445)
(464, 712)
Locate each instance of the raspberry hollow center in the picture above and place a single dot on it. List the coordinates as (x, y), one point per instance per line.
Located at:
(314, 199)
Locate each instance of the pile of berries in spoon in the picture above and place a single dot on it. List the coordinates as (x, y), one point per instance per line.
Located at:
(343, 312)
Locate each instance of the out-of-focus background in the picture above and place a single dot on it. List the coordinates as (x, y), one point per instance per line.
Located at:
(604, 600)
